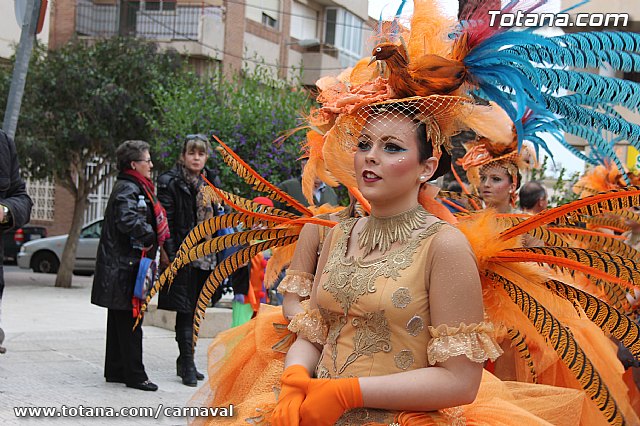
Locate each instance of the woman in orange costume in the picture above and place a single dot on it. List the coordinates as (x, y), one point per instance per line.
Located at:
(350, 344)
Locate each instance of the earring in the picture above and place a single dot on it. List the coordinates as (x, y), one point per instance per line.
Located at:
(422, 178)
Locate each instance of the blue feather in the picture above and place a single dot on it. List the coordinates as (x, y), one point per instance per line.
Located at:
(577, 58)
(623, 61)
(592, 119)
(537, 123)
(488, 64)
(598, 143)
(601, 41)
(575, 151)
(586, 100)
(607, 89)
(395, 28)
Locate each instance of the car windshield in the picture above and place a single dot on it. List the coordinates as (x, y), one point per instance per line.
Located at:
(92, 231)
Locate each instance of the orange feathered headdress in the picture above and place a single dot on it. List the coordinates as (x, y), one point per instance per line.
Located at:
(498, 146)
(374, 85)
(603, 178)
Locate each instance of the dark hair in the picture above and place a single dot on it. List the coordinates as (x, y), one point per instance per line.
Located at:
(129, 151)
(425, 151)
(518, 176)
(530, 193)
(454, 186)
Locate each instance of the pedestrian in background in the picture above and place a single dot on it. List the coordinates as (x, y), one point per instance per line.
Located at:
(322, 193)
(126, 232)
(533, 197)
(181, 192)
(15, 203)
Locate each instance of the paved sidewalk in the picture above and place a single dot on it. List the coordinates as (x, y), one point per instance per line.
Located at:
(55, 355)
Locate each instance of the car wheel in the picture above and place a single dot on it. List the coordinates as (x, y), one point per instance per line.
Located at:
(45, 262)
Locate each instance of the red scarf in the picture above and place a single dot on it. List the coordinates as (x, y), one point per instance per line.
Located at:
(162, 225)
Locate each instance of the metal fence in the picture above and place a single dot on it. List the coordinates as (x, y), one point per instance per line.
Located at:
(150, 19)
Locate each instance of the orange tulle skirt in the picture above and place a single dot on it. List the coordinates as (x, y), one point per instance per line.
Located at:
(244, 370)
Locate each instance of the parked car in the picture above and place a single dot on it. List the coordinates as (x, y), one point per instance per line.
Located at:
(44, 255)
(15, 238)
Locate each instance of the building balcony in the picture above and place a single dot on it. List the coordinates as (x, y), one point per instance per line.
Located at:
(191, 29)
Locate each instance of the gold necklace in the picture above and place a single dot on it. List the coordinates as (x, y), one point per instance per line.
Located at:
(382, 232)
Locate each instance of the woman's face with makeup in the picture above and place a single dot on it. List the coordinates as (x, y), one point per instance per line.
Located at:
(496, 186)
(387, 159)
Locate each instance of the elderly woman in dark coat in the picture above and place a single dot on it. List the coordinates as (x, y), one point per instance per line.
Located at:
(180, 191)
(126, 230)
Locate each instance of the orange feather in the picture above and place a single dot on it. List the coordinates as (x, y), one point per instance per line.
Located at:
(355, 192)
(598, 204)
(557, 261)
(261, 216)
(275, 190)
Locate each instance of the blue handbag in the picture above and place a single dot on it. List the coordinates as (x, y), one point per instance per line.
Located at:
(145, 278)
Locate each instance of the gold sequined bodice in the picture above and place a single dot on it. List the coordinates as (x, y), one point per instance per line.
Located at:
(377, 311)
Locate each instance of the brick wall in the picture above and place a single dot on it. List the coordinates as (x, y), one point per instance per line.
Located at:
(234, 36)
(63, 213)
(285, 31)
(62, 22)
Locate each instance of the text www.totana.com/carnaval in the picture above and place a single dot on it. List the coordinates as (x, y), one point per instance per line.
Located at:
(152, 412)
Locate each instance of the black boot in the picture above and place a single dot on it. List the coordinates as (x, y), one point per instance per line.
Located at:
(187, 368)
(2, 348)
(199, 375)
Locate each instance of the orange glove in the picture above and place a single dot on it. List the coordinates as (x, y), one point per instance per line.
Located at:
(294, 382)
(328, 399)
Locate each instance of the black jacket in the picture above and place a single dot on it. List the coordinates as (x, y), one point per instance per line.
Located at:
(13, 193)
(179, 200)
(117, 261)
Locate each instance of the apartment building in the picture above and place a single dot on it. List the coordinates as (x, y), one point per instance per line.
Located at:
(321, 36)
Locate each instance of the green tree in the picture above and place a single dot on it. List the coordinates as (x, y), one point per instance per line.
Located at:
(81, 101)
(247, 111)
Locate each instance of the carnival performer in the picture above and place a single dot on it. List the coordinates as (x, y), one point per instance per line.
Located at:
(369, 366)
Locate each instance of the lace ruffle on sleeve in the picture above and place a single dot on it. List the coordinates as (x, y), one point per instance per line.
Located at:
(476, 341)
(309, 324)
(298, 282)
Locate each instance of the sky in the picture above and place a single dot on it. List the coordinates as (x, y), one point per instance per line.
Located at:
(561, 156)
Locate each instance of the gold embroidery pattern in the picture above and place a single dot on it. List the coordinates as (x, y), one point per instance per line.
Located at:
(322, 372)
(309, 324)
(404, 359)
(476, 341)
(298, 282)
(361, 416)
(383, 232)
(372, 335)
(401, 297)
(454, 416)
(335, 322)
(350, 278)
(415, 325)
